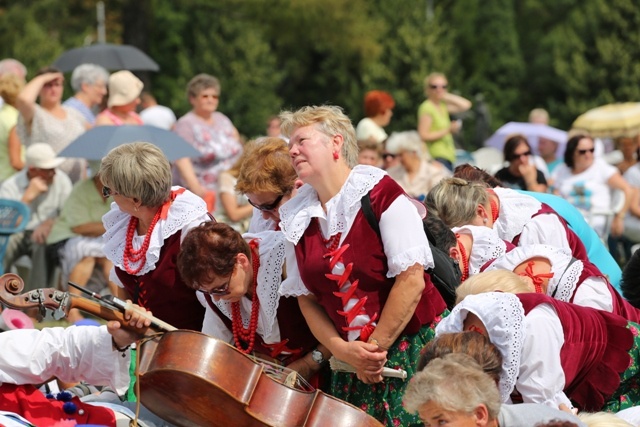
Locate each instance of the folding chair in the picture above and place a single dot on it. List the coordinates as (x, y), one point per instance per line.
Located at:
(14, 216)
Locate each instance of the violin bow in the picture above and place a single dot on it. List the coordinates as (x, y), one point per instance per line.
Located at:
(59, 303)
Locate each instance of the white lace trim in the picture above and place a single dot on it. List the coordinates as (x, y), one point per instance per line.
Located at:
(516, 210)
(271, 250)
(296, 214)
(503, 317)
(186, 208)
(565, 277)
(401, 262)
(487, 246)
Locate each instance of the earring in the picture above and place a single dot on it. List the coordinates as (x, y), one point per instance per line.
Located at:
(335, 155)
(135, 208)
(484, 220)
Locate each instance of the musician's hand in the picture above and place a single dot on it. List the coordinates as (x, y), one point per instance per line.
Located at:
(137, 316)
(368, 360)
(121, 337)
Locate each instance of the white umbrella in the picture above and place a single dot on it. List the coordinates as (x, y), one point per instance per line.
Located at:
(532, 131)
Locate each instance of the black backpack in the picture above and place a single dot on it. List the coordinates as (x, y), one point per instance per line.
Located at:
(445, 273)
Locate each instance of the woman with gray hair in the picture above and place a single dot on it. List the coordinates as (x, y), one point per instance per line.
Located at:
(454, 390)
(364, 294)
(144, 231)
(89, 82)
(211, 133)
(415, 173)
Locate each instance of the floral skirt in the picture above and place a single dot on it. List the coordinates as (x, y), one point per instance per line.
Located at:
(383, 400)
(628, 393)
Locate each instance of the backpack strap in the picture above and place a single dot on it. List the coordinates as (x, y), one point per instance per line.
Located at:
(368, 213)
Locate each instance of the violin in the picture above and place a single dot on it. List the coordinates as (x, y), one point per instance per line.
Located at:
(191, 379)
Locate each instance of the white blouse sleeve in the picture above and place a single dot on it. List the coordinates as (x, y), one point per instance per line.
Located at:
(292, 285)
(544, 229)
(594, 293)
(76, 353)
(403, 237)
(541, 377)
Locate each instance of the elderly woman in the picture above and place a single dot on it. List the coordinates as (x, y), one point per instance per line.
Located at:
(415, 173)
(554, 352)
(238, 277)
(268, 180)
(124, 98)
(587, 183)
(453, 390)
(89, 82)
(434, 125)
(366, 297)
(11, 151)
(144, 230)
(50, 122)
(378, 109)
(210, 132)
(521, 174)
(517, 218)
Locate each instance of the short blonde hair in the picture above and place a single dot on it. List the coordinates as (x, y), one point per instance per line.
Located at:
(330, 120)
(431, 76)
(602, 419)
(490, 281)
(266, 168)
(10, 87)
(457, 200)
(456, 383)
(138, 170)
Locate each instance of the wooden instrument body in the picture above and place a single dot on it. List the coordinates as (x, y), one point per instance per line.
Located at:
(191, 379)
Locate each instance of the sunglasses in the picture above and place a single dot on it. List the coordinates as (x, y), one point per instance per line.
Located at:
(438, 86)
(517, 156)
(387, 156)
(267, 207)
(106, 192)
(588, 150)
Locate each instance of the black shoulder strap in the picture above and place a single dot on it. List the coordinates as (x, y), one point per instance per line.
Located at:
(368, 213)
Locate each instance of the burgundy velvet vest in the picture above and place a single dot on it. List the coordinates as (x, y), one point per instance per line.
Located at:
(575, 244)
(29, 402)
(621, 306)
(594, 353)
(297, 339)
(163, 292)
(369, 268)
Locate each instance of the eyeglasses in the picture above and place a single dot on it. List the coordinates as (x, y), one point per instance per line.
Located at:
(45, 172)
(438, 86)
(267, 207)
(388, 156)
(588, 150)
(204, 95)
(515, 156)
(106, 192)
(220, 290)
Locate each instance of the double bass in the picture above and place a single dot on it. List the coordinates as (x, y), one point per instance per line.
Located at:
(191, 379)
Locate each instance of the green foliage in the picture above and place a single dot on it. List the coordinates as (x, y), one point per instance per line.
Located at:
(563, 55)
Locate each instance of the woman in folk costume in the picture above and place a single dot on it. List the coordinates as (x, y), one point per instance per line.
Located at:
(518, 218)
(365, 296)
(238, 278)
(555, 352)
(144, 230)
(554, 272)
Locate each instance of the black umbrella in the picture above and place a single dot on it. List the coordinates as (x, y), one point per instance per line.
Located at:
(110, 56)
(95, 143)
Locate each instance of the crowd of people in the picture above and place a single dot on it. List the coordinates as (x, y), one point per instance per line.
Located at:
(313, 247)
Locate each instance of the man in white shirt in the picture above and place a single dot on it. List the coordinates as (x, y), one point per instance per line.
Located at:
(44, 189)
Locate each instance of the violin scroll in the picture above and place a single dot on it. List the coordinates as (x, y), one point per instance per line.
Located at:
(12, 283)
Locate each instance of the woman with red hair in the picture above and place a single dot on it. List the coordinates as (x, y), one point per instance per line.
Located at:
(378, 109)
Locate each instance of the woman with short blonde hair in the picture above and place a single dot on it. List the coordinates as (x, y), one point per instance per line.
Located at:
(144, 230)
